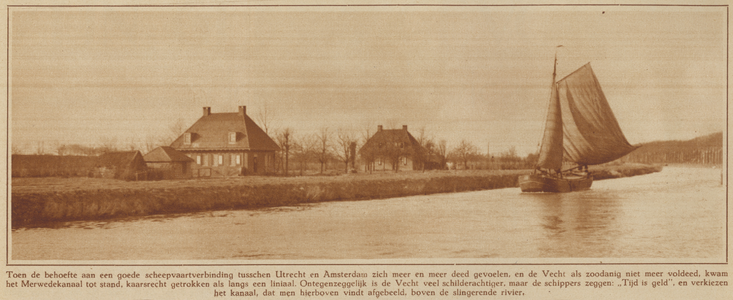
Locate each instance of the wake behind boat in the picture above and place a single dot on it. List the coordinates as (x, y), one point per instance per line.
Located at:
(580, 129)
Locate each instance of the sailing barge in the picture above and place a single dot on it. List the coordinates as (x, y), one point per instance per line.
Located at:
(580, 129)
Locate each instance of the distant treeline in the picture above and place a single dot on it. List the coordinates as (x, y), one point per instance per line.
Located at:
(701, 150)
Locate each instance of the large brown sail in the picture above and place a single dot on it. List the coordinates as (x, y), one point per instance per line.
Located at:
(591, 134)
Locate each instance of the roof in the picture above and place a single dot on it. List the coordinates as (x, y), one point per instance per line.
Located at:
(211, 132)
(394, 136)
(118, 159)
(166, 154)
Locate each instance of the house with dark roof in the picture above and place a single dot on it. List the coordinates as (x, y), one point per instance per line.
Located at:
(394, 149)
(227, 144)
(167, 163)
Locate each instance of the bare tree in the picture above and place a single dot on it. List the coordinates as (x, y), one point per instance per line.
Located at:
(366, 156)
(429, 150)
(265, 117)
(323, 137)
(175, 130)
(429, 145)
(442, 151)
(426, 143)
(300, 154)
(150, 143)
(284, 141)
(303, 150)
(366, 131)
(421, 136)
(344, 148)
(464, 152)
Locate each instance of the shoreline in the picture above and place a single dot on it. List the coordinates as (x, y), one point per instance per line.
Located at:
(39, 201)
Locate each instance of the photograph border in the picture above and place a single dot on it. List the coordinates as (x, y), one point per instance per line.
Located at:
(376, 262)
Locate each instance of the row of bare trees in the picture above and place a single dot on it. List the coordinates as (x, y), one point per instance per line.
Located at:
(322, 148)
(467, 156)
(325, 148)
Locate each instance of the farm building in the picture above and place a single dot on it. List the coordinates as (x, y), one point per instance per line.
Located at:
(167, 163)
(395, 149)
(227, 144)
(127, 165)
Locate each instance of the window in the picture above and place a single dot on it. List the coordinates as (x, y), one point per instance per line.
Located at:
(231, 160)
(187, 138)
(232, 137)
(198, 159)
(221, 160)
(206, 159)
(238, 161)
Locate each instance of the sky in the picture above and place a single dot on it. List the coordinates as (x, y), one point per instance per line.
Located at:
(481, 74)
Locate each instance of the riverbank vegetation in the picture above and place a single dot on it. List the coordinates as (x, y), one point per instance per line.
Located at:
(36, 201)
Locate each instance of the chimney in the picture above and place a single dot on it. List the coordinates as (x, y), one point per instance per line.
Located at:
(404, 127)
(207, 111)
(379, 128)
(242, 110)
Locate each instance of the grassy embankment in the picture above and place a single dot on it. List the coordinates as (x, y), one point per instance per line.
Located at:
(36, 201)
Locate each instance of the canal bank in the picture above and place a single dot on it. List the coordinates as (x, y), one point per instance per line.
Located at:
(36, 202)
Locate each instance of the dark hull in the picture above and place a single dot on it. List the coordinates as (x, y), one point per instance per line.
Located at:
(535, 183)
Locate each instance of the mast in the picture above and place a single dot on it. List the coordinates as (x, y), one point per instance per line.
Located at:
(551, 149)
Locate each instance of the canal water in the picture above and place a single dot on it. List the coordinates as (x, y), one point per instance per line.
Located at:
(677, 213)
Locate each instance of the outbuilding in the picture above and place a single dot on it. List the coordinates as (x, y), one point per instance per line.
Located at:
(127, 165)
(168, 163)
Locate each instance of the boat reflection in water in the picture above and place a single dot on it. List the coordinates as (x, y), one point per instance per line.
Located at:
(578, 223)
